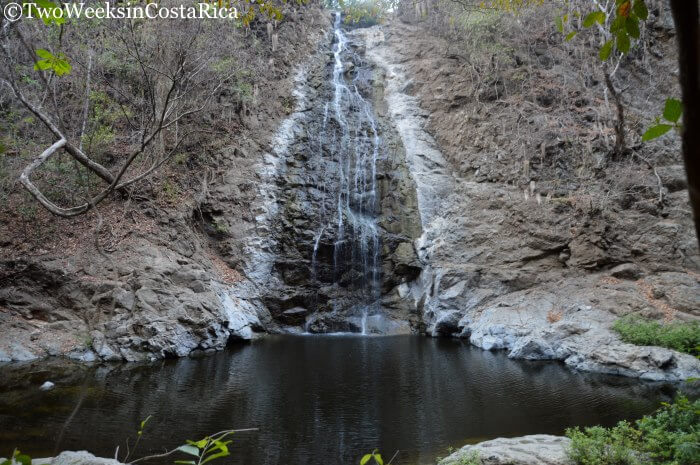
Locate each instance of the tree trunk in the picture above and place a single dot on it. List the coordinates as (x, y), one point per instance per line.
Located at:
(620, 144)
(685, 15)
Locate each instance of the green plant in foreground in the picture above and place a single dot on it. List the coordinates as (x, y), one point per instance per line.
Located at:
(680, 336)
(18, 458)
(203, 451)
(207, 449)
(673, 110)
(472, 459)
(374, 455)
(670, 436)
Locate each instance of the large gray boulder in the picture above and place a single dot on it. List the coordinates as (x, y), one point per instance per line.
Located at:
(537, 449)
(73, 458)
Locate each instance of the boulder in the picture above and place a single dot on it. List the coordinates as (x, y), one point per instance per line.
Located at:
(75, 458)
(537, 449)
(626, 271)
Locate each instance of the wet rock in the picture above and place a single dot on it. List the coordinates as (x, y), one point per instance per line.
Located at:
(333, 323)
(447, 324)
(47, 386)
(295, 316)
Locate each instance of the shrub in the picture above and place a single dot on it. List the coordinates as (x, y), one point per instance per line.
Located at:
(671, 436)
(680, 336)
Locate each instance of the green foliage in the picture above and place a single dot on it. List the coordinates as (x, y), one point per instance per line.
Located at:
(511, 6)
(205, 450)
(220, 227)
(680, 336)
(142, 426)
(473, 458)
(620, 26)
(602, 446)
(170, 191)
(56, 63)
(49, 12)
(365, 12)
(673, 110)
(374, 455)
(671, 436)
(18, 459)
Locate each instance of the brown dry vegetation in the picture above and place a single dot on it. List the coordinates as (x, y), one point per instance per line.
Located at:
(512, 103)
(252, 90)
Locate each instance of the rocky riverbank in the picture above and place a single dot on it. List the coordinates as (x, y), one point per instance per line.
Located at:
(537, 449)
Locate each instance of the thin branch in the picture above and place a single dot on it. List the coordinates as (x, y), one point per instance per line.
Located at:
(170, 452)
(656, 173)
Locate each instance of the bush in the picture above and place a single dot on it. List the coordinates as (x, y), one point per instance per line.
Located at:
(683, 337)
(671, 436)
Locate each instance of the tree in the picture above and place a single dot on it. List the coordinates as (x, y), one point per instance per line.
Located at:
(166, 76)
(685, 16)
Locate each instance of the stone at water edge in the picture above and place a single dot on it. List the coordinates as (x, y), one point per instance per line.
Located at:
(47, 386)
(75, 458)
(537, 449)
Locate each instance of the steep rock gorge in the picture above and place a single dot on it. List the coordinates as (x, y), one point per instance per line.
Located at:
(372, 191)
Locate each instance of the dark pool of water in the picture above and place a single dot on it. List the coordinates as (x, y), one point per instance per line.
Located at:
(316, 400)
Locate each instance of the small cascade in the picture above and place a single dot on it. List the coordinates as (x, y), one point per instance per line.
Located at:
(317, 242)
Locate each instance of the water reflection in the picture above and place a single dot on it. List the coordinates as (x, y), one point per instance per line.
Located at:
(315, 399)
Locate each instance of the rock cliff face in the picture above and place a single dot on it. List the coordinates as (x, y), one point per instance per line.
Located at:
(542, 279)
(171, 284)
(342, 217)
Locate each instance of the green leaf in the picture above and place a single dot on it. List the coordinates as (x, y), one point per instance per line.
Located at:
(378, 459)
(570, 36)
(365, 459)
(49, 12)
(187, 449)
(62, 67)
(143, 423)
(199, 444)
(223, 453)
(656, 131)
(618, 24)
(623, 42)
(594, 17)
(673, 110)
(42, 65)
(632, 26)
(560, 27)
(640, 9)
(185, 462)
(23, 459)
(606, 50)
(43, 53)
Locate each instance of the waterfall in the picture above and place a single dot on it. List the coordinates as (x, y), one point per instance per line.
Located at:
(351, 140)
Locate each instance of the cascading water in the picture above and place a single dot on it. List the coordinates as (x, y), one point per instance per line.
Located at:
(349, 136)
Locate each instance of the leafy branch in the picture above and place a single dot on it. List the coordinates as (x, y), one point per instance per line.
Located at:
(673, 110)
